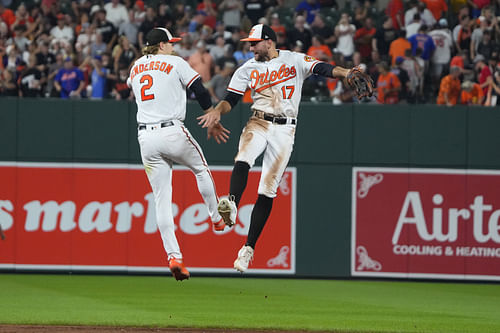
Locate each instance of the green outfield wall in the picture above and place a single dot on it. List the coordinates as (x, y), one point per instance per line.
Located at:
(330, 140)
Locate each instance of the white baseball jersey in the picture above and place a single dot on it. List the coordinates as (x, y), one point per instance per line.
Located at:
(159, 83)
(443, 42)
(276, 84)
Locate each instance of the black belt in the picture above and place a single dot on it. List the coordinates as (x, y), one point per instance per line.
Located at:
(273, 119)
(165, 124)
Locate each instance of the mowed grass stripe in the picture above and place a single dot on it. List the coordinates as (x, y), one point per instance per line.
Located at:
(249, 303)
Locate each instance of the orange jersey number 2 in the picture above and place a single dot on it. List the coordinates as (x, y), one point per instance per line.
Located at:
(149, 79)
(291, 89)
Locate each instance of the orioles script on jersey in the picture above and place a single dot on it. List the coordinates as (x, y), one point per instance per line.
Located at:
(271, 78)
(161, 66)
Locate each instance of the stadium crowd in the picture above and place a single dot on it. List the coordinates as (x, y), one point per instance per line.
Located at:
(427, 51)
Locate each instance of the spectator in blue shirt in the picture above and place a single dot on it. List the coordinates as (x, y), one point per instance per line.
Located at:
(423, 41)
(311, 7)
(69, 81)
(98, 79)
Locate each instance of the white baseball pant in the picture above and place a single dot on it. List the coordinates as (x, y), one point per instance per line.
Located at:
(160, 148)
(276, 141)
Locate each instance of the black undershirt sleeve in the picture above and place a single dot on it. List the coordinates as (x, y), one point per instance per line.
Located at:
(323, 69)
(232, 98)
(201, 93)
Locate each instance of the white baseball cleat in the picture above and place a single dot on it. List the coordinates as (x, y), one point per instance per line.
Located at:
(245, 255)
(227, 210)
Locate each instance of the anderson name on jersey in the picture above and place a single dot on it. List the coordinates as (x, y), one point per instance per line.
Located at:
(166, 98)
(276, 84)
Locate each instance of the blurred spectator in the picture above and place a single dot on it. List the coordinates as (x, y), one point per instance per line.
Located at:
(345, 32)
(53, 69)
(442, 54)
(62, 32)
(218, 84)
(44, 58)
(318, 27)
(184, 48)
(163, 17)
(403, 77)
(425, 14)
(449, 89)
(148, 24)
(120, 90)
(123, 54)
(221, 31)
(243, 53)
(12, 58)
(361, 13)
(254, 10)
(197, 21)
(459, 60)
(309, 7)
(116, 13)
(228, 57)
(8, 85)
(437, 7)
(4, 30)
(276, 25)
(7, 15)
(129, 29)
(414, 70)
(388, 85)
(210, 8)
(31, 80)
(98, 46)
(319, 50)
(104, 27)
(413, 26)
(139, 13)
(395, 10)
(383, 38)
(472, 94)
(231, 16)
(217, 50)
(98, 87)
(477, 35)
(19, 39)
(462, 34)
(202, 61)
(83, 41)
(299, 32)
(398, 47)
(422, 41)
(486, 47)
(485, 68)
(69, 81)
(363, 39)
(477, 6)
(410, 12)
(22, 17)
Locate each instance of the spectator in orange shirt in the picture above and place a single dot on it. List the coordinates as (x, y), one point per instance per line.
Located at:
(319, 50)
(363, 38)
(437, 7)
(398, 47)
(7, 15)
(449, 90)
(388, 85)
(472, 94)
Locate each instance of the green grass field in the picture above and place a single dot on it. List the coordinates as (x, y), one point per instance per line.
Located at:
(249, 303)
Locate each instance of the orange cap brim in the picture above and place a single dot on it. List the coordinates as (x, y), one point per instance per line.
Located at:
(251, 39)
(175, 39)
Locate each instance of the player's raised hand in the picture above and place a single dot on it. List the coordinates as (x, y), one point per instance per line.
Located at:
(209, 119)
(218, 132)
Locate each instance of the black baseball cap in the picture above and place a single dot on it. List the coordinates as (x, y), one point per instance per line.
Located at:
(260, 32)
(158, 35)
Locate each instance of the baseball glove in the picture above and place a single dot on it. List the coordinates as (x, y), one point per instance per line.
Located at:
(360, 82)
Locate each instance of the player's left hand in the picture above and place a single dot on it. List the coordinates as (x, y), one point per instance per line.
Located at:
(360, 82)
(209, 119)
(218, 132)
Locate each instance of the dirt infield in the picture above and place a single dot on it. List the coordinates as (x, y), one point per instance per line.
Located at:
(104, 329)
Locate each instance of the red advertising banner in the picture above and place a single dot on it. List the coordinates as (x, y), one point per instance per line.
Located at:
(426, 223)
(65, 216)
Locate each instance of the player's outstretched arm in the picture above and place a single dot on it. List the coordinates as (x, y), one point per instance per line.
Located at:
(218, 132)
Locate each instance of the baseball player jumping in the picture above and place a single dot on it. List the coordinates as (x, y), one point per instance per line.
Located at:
(275, 78)
(159, 81)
